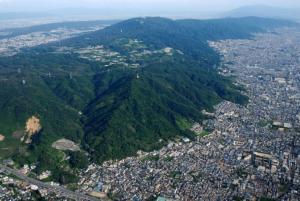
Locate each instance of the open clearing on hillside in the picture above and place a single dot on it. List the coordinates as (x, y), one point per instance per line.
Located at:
(65, 145)
(33, 126)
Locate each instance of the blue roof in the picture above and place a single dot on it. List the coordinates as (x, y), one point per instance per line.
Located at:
(161, 199)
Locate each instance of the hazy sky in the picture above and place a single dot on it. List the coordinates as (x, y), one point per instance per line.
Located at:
(42, 5)
(130, 8)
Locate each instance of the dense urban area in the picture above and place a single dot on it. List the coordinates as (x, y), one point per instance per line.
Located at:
(12, 45)
(247, 152)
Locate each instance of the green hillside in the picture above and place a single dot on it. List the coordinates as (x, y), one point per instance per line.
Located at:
(133, 114)
(126, 88)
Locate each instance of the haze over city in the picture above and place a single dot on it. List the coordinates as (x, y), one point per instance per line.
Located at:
(130, 8)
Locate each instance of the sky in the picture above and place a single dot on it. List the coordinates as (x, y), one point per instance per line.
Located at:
(155, 7)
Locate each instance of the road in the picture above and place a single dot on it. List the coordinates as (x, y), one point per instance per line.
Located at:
(56, 189)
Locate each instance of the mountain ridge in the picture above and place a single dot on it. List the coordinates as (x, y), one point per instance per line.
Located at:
(132, 86)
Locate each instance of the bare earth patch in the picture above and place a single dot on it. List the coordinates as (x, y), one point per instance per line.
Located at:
(2, 138)
(65, 145)
(33, 126)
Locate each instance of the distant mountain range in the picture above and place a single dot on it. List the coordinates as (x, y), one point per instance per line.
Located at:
(265, 11)
(132, 86)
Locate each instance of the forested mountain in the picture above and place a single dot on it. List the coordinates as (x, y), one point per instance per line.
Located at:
(132, 86)
(232, 28)
(184, 35)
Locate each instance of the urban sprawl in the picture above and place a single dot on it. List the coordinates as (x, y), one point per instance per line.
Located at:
(251, 153)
